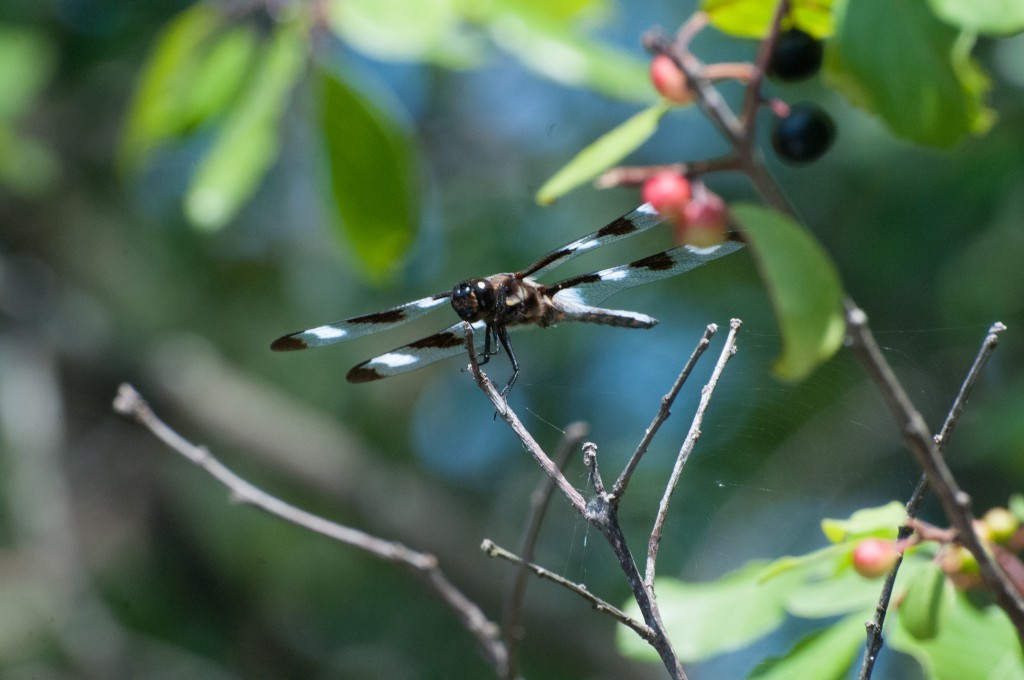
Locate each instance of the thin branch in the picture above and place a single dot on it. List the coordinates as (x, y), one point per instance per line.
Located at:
(593, 472)
(619, 488)
(875, 625)
(956, 503)
(494, 550)
(539, 501)
(423, 565)
(508, 415)
(752, 95)
(654, 543)
(598, 512)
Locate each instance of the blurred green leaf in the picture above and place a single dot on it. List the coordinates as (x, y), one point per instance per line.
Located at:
(881, 522)
(247, 143)
(608, 150)
(974, 643)
(157, 111)
(988, 17)
(897, 59)
(707, 619)
(406, 30)
(822, 655)
(557, 50)
(840, 592)
(751, 18)
(803, 285)
(926, 602)
(372, 176)
(27, 59)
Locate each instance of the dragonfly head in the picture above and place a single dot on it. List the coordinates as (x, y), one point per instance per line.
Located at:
(474, 299)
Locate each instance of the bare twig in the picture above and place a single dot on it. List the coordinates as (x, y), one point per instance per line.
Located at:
(423, 565)
(539, 500)
(654, 543)
(509, 416)
(956, 503)
(619, 488)
(493, 550)
(874, 626)
(598, 512)
(593, 472)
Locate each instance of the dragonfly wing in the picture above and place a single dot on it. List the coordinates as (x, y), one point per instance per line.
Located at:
(355, 327)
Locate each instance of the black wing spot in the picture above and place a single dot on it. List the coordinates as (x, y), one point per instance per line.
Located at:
(551, 257)
(389, 316)
(658, 262)
(569, 283)
(362, 374)
(288, 343)
(619, 227)
(438, 341)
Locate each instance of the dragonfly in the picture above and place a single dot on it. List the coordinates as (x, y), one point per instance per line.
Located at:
(513, 301)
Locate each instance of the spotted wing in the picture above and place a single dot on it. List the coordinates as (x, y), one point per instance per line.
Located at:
(359, 325)
(415, 355)
(633, 222)
(579, 292)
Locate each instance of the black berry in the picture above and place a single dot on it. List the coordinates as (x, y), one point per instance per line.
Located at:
(804, 135)
(796, 56)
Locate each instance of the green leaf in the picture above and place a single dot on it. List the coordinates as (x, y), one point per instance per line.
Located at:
(406, 30)
(608, 150)
(707, 619)
(247, 143)
(822, 655)
(897, 59)
(842, 591)
(803, 286)
(973, 643)
(557, 50)
(167, 102)
(881, 522)
(926, 602)
(27, 60)
(987, 17)
(372, 176)
(751, 18)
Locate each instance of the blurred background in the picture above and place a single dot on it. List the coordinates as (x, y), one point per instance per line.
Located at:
(120, 560)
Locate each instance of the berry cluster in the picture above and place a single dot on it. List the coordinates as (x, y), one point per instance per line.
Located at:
(802, 133)
(805, 131)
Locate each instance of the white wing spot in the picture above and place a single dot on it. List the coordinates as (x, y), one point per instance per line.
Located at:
(647, 208)
(431, 302)
(395, 359)
(328, 332)
(614, 274)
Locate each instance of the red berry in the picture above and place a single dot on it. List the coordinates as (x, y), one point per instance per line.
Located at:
(669, 81)
(703, 221)
(874, 557)
(668, 193)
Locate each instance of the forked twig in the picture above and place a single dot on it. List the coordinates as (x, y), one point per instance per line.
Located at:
(619, 488)
(423, 565)
(874, 626)
(654, 543)
(598, 512)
